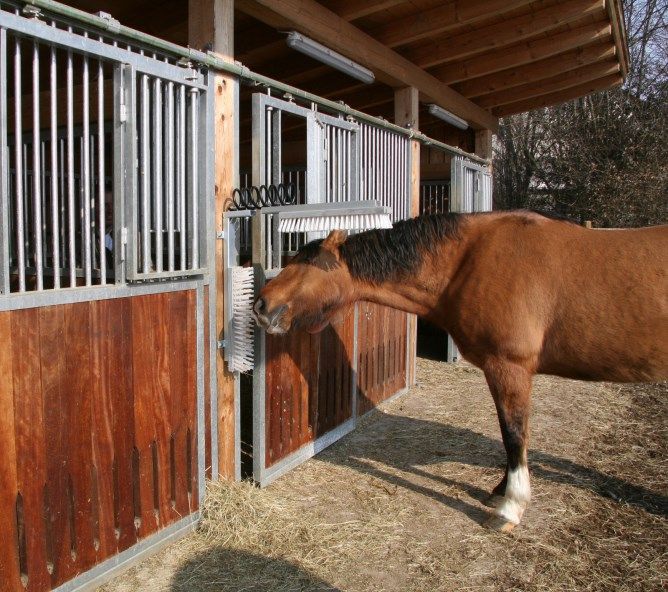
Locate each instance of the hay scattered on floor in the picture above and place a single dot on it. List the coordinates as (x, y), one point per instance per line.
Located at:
(396, 506)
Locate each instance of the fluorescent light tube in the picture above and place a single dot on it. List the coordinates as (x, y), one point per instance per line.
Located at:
(448, 117)
(325, 55)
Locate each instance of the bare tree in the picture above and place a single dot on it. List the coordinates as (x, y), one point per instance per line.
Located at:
(604, 157)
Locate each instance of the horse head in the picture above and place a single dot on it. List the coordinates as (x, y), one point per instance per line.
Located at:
(309, 291)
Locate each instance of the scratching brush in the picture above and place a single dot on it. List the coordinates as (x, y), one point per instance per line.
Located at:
(301, 222)
(242, 325)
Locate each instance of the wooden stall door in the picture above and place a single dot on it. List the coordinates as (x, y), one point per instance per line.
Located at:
(98, 432)
(381, 362)
(309, 389)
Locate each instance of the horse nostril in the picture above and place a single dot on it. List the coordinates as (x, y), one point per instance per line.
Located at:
(260, 306)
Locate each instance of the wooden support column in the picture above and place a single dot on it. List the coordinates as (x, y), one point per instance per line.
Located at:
(483, 143)
(211, 27)
(406, 114)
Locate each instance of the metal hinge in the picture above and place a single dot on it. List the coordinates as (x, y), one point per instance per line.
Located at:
(32, 12)
(124, 242)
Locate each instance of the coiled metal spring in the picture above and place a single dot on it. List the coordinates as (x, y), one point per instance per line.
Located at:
(254, 197)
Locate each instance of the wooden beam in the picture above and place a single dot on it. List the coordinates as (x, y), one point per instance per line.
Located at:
(561, 96)
(483, 144)
(616, 15)
(407, 114)
(325, 26)
(537, 70)
(351, 10)
(522, 53)
(211, 23)
(504, 33)
(562, 81)
(407, 107)
(441, 19)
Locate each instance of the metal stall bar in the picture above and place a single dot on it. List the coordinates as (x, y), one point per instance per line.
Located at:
(4, 168)
(101, 205)
(19, 165)
(55, 230)
(36, 184)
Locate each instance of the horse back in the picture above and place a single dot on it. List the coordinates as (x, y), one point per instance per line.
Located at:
(574, 302)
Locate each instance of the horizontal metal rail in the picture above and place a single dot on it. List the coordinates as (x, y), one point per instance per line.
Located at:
(211, 60)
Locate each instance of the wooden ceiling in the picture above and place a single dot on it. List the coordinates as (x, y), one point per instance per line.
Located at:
(480, 59)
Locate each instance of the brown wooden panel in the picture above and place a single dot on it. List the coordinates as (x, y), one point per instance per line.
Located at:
(381, 354)
(9, 551)
(112, 423)
(30, 448)
(98, 421)
(307, 386)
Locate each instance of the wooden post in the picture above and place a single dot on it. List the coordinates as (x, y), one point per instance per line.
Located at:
(483, 143)
(211, 27)
(406, 113)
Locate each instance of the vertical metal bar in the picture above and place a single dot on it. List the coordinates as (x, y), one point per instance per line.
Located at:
(194, 179)
(276, 163)
(101, 206)
(86, 171)
(70, 169)
(37, 186)
(339, 166)
(181, 175)
(63, 209)
(55, 232)
(145, 177)
(157, 171)
(4, 168)
(349, 158)
(169, 173)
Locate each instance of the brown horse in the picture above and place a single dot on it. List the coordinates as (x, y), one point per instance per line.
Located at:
(520, 293)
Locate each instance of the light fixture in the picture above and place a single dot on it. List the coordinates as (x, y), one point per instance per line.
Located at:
(325, 55)
(448, 117)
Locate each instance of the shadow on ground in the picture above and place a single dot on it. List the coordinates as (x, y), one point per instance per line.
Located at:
(221, 570)
(410, 444)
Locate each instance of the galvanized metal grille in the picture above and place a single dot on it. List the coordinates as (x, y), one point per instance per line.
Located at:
(434, 197)
(70, 191)
(385, 167)
(471, 189)
(165, 237)
(56, 166)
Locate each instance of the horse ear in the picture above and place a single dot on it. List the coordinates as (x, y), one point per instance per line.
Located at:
(335, 239)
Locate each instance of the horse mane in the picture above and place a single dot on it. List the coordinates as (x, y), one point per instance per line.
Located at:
(377, 256)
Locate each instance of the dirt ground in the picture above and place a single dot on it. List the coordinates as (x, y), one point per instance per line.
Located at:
(396, 506)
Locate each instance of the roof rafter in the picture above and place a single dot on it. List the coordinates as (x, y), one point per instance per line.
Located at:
(561, 96)
(523, 53)
(428, 23)
(322, 24)
(505, 33)
(537, 70)
(556, 83)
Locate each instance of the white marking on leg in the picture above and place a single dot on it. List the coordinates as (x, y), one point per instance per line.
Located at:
(518, 494)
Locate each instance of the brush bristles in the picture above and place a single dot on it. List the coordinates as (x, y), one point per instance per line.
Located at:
(242, 326)
(341, 222)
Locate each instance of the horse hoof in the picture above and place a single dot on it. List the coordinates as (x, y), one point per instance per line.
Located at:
(499, 524)
(493, 501)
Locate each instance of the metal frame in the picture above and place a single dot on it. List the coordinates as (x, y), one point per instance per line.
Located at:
(470, 191)
(126, 66)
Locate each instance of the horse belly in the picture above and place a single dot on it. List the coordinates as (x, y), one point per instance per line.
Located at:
(617, 351)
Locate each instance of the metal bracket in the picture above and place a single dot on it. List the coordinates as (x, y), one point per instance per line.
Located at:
(220, 235)
(222, 344)
(32, 12)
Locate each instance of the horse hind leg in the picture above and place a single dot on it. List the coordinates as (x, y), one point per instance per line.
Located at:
(510, 385)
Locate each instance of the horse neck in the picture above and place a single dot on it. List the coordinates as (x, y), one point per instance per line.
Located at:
(422, 292)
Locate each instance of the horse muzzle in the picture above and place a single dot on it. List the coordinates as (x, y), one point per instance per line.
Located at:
(270, 321)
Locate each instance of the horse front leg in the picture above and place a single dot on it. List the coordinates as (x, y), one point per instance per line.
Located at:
(510, 385)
